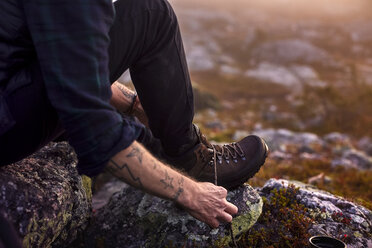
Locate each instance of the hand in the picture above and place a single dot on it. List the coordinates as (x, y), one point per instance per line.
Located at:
(209, 205)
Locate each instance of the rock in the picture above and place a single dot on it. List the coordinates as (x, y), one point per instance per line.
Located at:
(347, 163)
(365, 144)
(336, 138)
(240, 134)
(333, 215)
(359, 158)
(135, 219)
(352, 158)
(199, 58)
(229, 70)
(290, 51)
(279, 156)
(216, 125)
(311, 156)
(275, 74)
(45, 198)
(279, 139)
(103, 195)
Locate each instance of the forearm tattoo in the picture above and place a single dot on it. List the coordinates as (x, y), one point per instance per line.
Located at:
(167, 181)
(118, 169)
(180, 189)
(136, 152)
(126, 92)
(154, 164)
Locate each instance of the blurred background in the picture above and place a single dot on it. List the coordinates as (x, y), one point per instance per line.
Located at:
(298, 73)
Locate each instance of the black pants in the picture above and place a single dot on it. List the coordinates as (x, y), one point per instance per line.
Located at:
(145, 39)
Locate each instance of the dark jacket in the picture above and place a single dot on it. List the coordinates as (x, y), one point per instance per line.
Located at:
(68, 40)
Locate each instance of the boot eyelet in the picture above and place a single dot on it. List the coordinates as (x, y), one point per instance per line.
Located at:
(235, 161)
(220, 161)
(228, 161)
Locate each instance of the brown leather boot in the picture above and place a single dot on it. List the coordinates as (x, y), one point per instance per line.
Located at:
(228, 165)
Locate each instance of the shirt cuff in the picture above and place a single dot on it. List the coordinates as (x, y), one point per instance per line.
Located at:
(111, 142)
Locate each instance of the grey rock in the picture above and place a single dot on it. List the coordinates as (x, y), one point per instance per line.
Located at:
(275, 74)
(135, 219)
(347, 163)
(352, 158)
(334, 216)
(102, 197)
(338, 138)
(365, 144)
(289, 51)
(215, 125)
(45, 198)
(359, 158)
(278, 139)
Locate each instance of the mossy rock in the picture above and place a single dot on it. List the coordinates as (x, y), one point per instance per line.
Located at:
(135, 219)
(45, 198)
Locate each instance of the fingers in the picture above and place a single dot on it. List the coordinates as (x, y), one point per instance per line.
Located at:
(231, 208)
(214, 223)
(212, 206)
(225, 217)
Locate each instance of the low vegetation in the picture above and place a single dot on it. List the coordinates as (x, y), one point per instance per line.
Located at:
(351, 184)
(287, 219)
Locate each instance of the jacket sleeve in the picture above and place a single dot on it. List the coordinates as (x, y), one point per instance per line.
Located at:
(71, 42)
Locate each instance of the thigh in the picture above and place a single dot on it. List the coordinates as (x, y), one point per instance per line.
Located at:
(146, 38)
(36, 121)
(126, 37)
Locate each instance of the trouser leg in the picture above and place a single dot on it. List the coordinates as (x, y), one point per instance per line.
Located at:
(146, 39)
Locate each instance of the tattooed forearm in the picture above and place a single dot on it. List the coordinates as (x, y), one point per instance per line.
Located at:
(180, 189)
(126, 92)
(117, 168)
(154, 165)
(136, 152)
(167, 181)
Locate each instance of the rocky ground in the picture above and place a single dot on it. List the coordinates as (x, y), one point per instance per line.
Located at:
(278, 69)
(50, 204)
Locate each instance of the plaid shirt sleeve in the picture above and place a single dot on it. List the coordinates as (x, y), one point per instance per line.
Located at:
(71, 42)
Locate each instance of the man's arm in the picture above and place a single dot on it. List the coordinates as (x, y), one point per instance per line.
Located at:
(122, 99)
(203, 201)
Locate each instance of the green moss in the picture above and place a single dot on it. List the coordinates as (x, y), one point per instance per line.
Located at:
(352, 184)
(87, 185)
(287, 220)
(241, 223)
(39, 230)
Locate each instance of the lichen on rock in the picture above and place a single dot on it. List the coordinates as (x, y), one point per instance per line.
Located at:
(135, 219)
(45, 198)
(332, 215)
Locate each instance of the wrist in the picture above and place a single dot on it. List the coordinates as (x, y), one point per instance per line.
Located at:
(189, 190)
(133, 105)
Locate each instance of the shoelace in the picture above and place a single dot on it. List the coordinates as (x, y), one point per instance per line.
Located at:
(234, 152)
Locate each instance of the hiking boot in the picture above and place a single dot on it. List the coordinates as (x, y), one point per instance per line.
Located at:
(228, 165)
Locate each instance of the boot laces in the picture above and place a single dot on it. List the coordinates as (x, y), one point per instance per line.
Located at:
(227, 151)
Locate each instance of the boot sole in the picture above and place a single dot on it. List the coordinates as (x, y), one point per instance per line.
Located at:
(253, 171)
